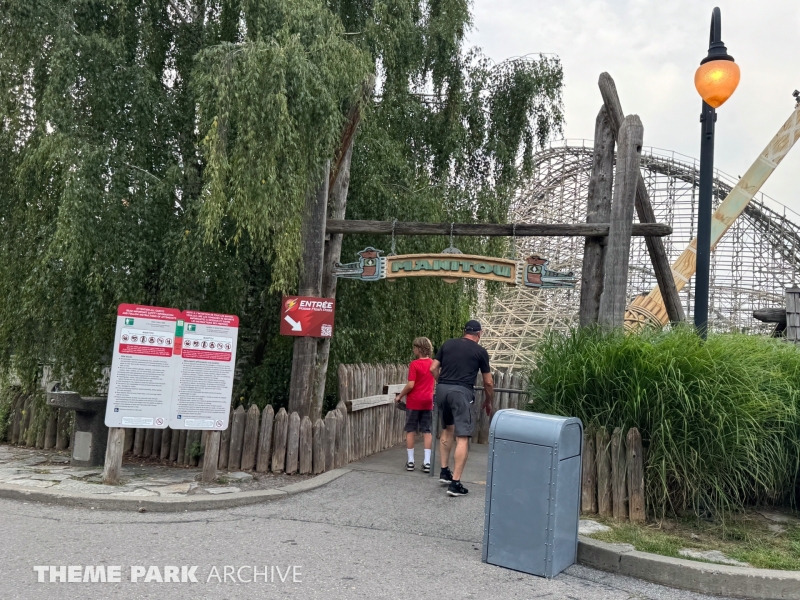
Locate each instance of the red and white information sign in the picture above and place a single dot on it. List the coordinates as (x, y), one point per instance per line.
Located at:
(204, 384)
(143, 368)
(306, 316)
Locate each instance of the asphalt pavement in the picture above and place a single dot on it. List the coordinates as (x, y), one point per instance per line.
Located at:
(376, 532)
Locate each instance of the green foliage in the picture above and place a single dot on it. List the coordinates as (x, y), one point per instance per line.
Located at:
(159, 153)
(195, 450)
(720, 420)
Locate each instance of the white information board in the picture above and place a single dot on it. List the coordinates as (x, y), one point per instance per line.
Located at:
(204, 383)
(144, 367)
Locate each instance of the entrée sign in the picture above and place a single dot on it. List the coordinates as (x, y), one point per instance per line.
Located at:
(532, 272)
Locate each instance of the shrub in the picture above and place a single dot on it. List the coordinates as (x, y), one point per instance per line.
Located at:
(719, 419)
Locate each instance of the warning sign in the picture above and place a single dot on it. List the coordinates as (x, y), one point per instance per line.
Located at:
(307, 316)
(205, 381)
(143, 368)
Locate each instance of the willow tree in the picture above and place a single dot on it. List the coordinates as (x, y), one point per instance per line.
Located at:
(158, 151)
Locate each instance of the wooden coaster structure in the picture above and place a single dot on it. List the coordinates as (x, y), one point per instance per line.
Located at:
(653, 307)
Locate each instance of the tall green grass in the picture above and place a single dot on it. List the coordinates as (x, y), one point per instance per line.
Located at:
(720, 420)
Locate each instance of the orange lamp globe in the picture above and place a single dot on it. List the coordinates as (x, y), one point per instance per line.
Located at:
(716, 81)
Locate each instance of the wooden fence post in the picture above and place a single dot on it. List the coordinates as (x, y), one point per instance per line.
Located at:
(181, 457)
(279, 441)
(166, 443)
(225, 444)
(50, 431)
(341, 431)
(603, 453)
(318, 447)
(155, 451)
(265, 439)
(331, 425)
(63, 433)
(173, 445)
(635, 465)
(147, 449)
(293, 444)
(138, 442)
(598, 210)
(306, 459)
(619, 485)
(113, 462)
(237, 439)
(250, 444)
(589, 474)
(210, 456)
(614, 298)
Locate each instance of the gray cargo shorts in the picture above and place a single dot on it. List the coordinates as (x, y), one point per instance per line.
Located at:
(455, 404)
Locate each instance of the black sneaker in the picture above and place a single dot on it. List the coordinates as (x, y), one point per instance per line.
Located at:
(426, 468)
(456, 489)
(409, 466)
(445, 476)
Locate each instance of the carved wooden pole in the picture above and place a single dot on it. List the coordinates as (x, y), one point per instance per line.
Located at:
(615, 279)
(312, 237)
(655, 247)
(598, 210)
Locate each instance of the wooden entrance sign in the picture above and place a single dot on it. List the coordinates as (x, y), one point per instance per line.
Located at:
(533, 272)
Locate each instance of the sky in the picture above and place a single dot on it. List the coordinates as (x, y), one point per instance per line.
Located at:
(652, 48)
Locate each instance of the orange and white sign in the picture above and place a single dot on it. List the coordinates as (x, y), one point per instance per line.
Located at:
(143, 367)
(204, 384)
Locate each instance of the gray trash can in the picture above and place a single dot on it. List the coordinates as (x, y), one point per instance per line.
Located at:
(533, 489)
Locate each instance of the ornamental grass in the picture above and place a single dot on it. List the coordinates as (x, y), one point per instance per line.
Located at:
(719, 419)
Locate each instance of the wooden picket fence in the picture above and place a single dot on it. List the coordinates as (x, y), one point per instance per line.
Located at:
(22, 431)
(364, 422)
(612, 482)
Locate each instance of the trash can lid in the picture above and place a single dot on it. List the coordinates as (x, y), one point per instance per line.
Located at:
(534, 428)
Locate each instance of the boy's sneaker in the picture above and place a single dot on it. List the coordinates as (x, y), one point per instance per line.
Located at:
(445, 476)
(426, 468)
(409, 466)
(456, 489)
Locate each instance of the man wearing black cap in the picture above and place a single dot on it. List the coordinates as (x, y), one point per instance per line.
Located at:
(455, 367)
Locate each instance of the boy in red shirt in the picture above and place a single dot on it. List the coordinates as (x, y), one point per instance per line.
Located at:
(419, 401)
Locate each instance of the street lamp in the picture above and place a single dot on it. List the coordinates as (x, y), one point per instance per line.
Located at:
(715, 80)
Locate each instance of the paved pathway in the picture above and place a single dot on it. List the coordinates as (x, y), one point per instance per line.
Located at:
(377, 532)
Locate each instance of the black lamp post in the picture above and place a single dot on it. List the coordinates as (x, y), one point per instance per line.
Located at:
(715, 80)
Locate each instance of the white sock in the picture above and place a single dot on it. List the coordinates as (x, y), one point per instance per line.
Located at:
(427, 456)
(410, 454)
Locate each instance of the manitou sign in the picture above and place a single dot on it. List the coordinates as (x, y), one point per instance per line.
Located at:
(532, 272)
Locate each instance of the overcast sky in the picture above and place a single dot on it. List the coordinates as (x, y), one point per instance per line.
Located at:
(652, 48)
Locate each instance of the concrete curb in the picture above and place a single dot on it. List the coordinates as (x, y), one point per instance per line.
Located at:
(158, 504)
(705, 578)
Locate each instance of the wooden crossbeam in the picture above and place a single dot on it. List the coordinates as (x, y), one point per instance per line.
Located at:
(490, 229)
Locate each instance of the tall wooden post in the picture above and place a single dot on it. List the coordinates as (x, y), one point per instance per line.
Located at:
(312, 237)
(333, 252)
(598, 210)
(210, 456)
(615, 278)
(337, 205)
(113, 462)
(655, 246)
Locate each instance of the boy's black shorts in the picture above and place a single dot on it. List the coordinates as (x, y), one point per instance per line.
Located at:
(418, 420)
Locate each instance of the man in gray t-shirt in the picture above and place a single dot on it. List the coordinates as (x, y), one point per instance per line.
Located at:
(455, 368)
